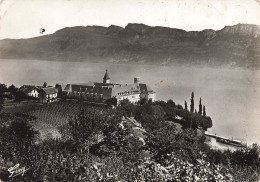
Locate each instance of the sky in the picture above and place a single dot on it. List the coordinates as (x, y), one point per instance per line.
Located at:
(23, 19)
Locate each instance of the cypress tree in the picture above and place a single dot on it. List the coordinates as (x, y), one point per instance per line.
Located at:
(200, 107)
(186, 106)
(192, 102)
(204, 111)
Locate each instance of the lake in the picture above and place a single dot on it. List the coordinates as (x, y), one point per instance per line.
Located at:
(231, 95)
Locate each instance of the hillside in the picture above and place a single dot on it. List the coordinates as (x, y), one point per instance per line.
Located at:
(236, 45)
(130, 143)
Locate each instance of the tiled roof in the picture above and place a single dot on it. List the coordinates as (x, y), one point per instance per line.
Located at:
(144, 88)
(50, 90)
(104, 90)
(85, 84)
(104, 84)
(28, 88)
(109, 89)
(125, 89)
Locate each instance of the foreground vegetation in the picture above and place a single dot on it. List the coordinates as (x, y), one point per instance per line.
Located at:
(98, 146)
(98, 143)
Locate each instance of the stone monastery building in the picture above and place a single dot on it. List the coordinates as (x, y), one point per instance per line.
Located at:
(106, 90)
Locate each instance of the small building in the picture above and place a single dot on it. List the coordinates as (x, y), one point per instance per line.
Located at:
(222, 143)
(47, 94)
(30, 90)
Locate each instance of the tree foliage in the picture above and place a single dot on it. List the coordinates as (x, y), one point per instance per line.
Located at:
(128, 108)
(200, 107)
(193, 120)
(150, 116)
(166, 140)
(204, 111)
(89, 122)
(16, 135)
(44, 85)
(3, 88)
(192, 102)
(185, 104)
(20, 96)
(112, 101)
(12, 89)
(118, 140)
(143, 101)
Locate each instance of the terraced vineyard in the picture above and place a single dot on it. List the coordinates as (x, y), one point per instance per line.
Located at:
(53, 117)
(21, 107)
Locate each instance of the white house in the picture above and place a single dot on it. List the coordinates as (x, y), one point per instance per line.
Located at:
(30, 90)
(48, 94)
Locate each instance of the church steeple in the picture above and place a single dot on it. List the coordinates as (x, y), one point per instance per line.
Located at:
(106, 78)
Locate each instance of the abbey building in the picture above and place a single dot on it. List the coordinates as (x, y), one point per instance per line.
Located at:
(134, 92)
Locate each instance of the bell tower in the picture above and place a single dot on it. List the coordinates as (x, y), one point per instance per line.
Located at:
(106, 78)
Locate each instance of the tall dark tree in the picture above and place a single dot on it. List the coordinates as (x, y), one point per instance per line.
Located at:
(186, 106)
(12, 89)
(3, 88)
(170, 103)
(192, 102)
(20, 96)
(44, 84)
(200, 107)
(204, 111)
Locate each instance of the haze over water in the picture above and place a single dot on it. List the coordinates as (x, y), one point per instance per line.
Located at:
(231, 95)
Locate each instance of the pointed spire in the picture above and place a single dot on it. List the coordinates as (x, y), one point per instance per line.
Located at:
(106, 78)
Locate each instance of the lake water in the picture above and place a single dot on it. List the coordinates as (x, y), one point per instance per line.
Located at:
(231, 96)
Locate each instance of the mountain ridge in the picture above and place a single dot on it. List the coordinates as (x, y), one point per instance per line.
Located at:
(236, 45)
